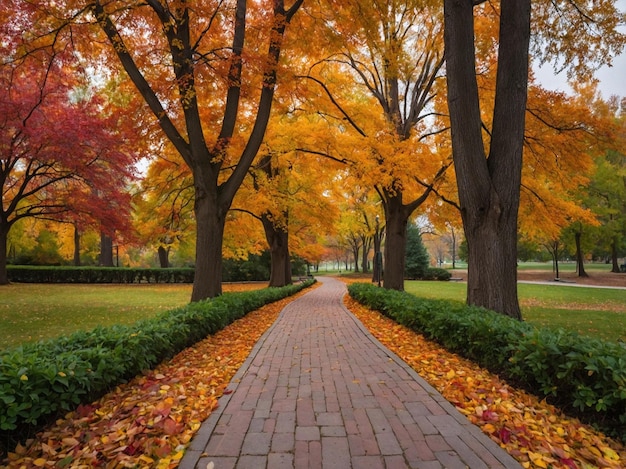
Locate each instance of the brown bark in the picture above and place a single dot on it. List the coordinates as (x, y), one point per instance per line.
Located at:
(489, 187)
(4, 276)
(278, 241)
(580, 261)
(76, 246)
(396, 218)
(106, 250)
(163, 253)
(614, 256)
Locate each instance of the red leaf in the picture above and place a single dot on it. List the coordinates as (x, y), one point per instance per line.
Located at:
(504, 434)
(569, 463)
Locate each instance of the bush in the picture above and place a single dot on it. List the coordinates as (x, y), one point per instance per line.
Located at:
(67, 274)
(583, 376)
(435, 273)
(39, 381)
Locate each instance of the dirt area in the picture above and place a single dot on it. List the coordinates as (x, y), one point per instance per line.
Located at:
(606, 279)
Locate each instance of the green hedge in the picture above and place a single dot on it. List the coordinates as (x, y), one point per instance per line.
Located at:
(39, 381)
(68, 274)
(436, 273)
(583, 376)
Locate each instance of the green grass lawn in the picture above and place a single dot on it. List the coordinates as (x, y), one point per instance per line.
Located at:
(31, 312)
(597, 312)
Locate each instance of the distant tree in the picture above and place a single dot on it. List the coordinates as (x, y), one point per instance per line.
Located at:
(417, 259)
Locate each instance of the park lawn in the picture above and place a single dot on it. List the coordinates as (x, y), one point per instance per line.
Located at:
(33, 312)
(596, 312)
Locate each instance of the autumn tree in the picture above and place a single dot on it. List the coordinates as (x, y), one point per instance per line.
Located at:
(489, 169)
(383, 83)
(164, 204)
(199, 69)
(58, 150)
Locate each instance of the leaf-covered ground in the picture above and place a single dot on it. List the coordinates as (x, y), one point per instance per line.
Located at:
(532, 431)
(150, 421)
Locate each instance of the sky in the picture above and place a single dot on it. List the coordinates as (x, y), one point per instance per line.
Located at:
(612, 79)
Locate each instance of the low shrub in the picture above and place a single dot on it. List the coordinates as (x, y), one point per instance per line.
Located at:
(39, 381)
(435, 273)
(68, 274)
(583, 376)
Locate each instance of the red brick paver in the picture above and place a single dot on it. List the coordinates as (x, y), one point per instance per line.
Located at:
(318, 391)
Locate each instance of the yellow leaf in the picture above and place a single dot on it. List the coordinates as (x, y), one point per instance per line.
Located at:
(71, 442)
(450, 374)
(489, 428)
(609, 453)
(39, 462)
(146, 459)
(595, 451)
(23, 378)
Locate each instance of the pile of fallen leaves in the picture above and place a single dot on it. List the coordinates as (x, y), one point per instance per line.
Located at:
(535, 433)
(149, 421)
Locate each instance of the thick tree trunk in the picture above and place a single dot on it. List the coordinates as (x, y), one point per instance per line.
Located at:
(492, 263)
(106, 250)
(489, 187)
(278, 241)
(4, 276)
(76, 246)
(580, 264)
(396, 218)
(210, 220)
(164, 260)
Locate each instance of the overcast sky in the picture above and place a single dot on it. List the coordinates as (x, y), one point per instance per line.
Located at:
(612, 79)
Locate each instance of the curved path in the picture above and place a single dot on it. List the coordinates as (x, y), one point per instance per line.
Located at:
(318, 391)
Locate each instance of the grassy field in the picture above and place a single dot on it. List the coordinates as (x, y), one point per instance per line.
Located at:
(32, 312)
(597, 312)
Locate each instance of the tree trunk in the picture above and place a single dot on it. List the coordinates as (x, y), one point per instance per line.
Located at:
(278, 241)
(106, 250)
(377, 261)
(489, 187)
(396, 218)
(210, 221)
(367, 247)
(492, 264)
(4, 275)
(164, 260)
(554, 249)
(355, 254)
(76, 246)
(615, 264)
(580, 264)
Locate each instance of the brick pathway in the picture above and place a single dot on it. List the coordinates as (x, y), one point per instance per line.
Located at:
(318, 391)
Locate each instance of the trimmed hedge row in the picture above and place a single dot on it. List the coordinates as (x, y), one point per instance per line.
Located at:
(436, 273)
(39, 381)
(581, 375)
(71, 274)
